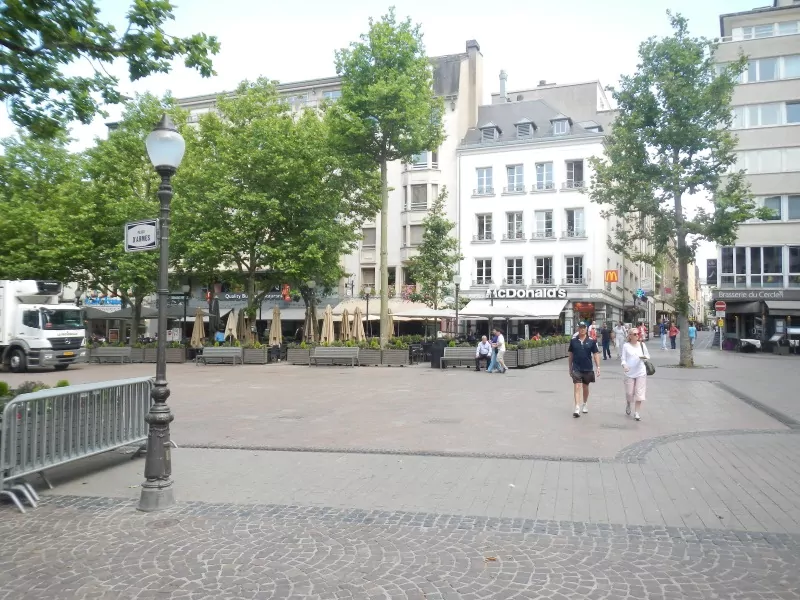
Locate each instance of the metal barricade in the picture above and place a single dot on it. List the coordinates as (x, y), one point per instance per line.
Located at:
(45, 429)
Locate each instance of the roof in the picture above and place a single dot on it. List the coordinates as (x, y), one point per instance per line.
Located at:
(506, 116)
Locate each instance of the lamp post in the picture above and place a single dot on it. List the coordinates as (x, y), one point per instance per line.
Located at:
(367, 292)
(492, 290)
(312, 321)
(186, 289)
(165, 147)
(457, 282)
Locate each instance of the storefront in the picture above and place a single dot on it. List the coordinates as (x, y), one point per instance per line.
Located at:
(758, 313)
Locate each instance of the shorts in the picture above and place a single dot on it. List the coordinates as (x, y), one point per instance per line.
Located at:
(584, 377)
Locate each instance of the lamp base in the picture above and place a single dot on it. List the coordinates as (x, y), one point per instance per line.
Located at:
(156, 496)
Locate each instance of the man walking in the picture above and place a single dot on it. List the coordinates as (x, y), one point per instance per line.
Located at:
(663, 330)
(582, 350)
(692, 333)
(620, 335)
(605, 338)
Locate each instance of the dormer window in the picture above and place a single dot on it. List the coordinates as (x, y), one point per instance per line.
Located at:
(525, 129)
(490, 132)
(594, 129)
(561, 124)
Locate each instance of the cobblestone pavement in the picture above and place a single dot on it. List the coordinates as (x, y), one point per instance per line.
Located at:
(96, 548)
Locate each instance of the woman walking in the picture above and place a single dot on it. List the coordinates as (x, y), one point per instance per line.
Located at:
(633, 353)
(673, 334)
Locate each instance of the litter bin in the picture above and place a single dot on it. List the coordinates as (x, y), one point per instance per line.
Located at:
(437, 352)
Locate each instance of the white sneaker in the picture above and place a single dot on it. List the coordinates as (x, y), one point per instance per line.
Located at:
(577, 412)
(585, 408)
(637, 417)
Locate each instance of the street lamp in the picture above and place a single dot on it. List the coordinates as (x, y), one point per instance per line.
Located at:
(457, 282)
(165, 147)
(492, 290)
(312, 322)
(367, 292)
(186, 289)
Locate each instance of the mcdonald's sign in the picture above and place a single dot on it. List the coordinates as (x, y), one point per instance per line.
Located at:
(612, 276)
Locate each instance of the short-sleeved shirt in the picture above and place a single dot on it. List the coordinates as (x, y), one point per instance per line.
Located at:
(582, 353)
(692, 331)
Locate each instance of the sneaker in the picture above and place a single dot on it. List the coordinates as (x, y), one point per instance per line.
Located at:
(637, 417)
(628, 408)
(577, 412)
(585, 408)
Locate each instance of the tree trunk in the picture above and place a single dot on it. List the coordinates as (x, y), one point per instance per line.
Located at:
(384, 254)
(137, 317)
(251, 303)
(682, 301)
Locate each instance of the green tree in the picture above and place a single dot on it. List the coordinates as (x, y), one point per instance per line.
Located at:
(267, 199)
(388, 111)
(121, 184)
(41, 38)
(42, 209)
(436, 264)
(672, 140)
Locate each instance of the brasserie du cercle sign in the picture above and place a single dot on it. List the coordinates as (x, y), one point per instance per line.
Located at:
(536, 293)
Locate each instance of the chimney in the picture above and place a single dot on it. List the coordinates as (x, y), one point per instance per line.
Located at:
(503, 81)
(475, 81)
(542, 82)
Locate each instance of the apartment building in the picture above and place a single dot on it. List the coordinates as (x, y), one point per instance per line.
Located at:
(759, 277)
(534, 244)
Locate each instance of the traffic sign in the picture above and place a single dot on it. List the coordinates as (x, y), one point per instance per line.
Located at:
(647, 284)
(720, 305)
(721, 314)
(141, 235)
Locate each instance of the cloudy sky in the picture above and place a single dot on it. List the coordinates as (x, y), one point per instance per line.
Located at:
(560, 41)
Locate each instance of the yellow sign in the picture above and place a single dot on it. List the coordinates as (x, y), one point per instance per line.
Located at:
(721, 322)
(612, 276)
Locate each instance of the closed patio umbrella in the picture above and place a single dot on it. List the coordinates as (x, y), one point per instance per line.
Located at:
(390, 333)
(198, 331)
(345, 333)
(358, 326)
(327, 334)
(243, 327)
(275, 336)
(230, 327)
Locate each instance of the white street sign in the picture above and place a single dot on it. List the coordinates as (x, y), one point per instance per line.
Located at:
(721, 314)
(647, 285)
(141, 235)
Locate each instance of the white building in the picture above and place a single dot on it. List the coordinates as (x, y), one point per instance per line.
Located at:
(525, 224)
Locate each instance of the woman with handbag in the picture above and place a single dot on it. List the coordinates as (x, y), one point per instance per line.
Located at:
(637, 366)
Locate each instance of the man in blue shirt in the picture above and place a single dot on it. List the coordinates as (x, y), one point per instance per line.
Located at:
(582, 350)
(663, 330)
(692, 333)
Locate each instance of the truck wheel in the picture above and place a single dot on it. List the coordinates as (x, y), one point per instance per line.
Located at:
(61, 367)
(17, 361)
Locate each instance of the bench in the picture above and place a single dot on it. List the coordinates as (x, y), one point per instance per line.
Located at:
(460, 356)
(218, 354)
(333, 355)
(110, 354)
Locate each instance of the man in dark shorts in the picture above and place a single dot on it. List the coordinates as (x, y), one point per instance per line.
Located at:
(582, 350)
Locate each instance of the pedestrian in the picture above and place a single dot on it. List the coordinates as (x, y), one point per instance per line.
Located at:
(663, 331)
(633, 354)
(605, 338)
(593, 330)
(692, 333)
(483, 353)
(493, 359)
(582, 350)
(501, 351)
(620, 334)
(673, 334)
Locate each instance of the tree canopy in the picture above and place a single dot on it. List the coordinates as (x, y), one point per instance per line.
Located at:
(40, 39)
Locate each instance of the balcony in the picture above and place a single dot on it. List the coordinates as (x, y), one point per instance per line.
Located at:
(543, 186)
(408, 252)
(483, 238)
(543, 281)
(545, 234)
(573, 185)
(514, 236)
(368, 254)
(574, 281)
(517, 188)
(575, 234)
(482, 282)
(513, 281)
(416, 207)
(482, 191)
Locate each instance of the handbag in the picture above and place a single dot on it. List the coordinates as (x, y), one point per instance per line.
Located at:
(649, 367)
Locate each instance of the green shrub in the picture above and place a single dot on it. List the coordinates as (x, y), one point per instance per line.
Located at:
(451, 344)
(27, 387)
(5, 390)
(61, 383)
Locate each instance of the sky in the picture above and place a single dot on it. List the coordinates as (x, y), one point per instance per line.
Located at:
(559, 41)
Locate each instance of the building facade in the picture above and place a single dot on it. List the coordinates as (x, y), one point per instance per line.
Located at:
(759, 277)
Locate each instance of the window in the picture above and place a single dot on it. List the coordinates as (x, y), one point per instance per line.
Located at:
(483, 271)
(332, 95)
(515, 178)
(420, 161)
(368, 236)
(415, 234)
(794, 266)
(419, 197)
(484, 181)
(514, 228)
(560, 127)
(793, 207)
(769, 161)
(524, 130)
(30, 318)
(774, 204)
(544, 270)
(368, 277)
(574, 270)
(574, 174)
(726, 266)
(765, 69)
(544, 176)
(791, 66)
(793, 112)
(575, 223)
(772, 263)
(766, 30)
(484, 228)
(514, 271)
(488, 134)
(544, 224)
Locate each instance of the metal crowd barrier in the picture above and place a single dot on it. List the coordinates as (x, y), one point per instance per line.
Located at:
(53, 427)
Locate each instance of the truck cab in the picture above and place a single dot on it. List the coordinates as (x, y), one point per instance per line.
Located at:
(36, 329)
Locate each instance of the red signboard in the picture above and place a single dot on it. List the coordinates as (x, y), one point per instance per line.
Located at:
(720, 305)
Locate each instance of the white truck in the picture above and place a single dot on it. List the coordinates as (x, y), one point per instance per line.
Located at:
(37, 329)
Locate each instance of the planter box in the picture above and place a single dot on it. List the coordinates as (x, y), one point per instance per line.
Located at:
(298, 356)
(511, 359)
(525, 357)
(551, 353)
(780, 350)
(256, 356)
(369, 357)
(149, 355)
(393, 357)
(536, 356)
(176, 355)
(137, 355)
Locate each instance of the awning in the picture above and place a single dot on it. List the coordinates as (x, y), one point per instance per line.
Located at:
(550, 309)
(743, 308)
(398, 306)
(296, 314)
(784, 308)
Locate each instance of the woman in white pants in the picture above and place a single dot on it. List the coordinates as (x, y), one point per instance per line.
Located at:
(635, 373)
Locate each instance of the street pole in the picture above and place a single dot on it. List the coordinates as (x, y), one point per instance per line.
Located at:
(457, 281)
(186, 289)
(367, 291)
(165, 147)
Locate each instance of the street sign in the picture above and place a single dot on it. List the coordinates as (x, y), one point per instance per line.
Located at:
(647, 284)
(141, 235)
(720, 305)
(721, 314)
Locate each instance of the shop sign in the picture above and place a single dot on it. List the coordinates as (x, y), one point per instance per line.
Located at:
(612, 276)
(535, 293)
(747, 295)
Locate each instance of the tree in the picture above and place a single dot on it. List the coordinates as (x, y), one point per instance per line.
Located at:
(435, 265)
(388, 111)
(40, 38)
(266, 198)
(672, 140)
(42, 209)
